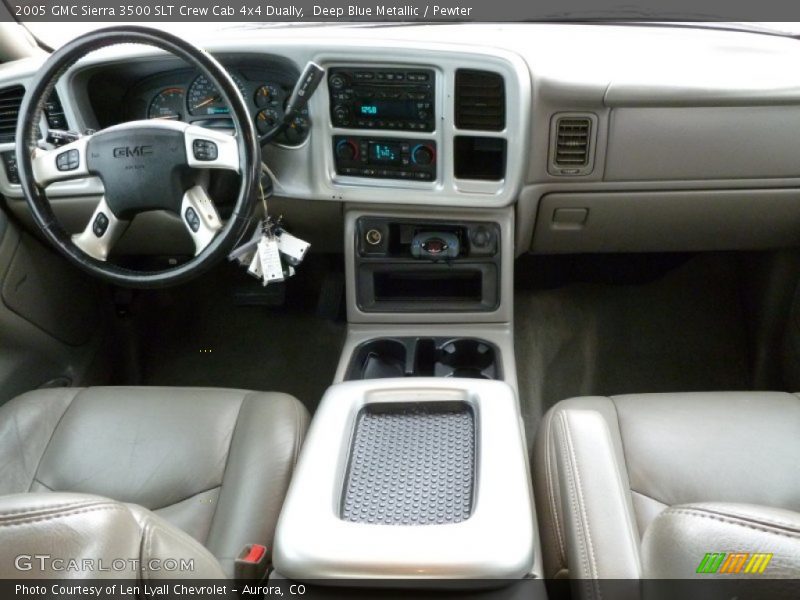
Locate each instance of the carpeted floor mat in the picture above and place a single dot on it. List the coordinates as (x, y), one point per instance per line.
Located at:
(683, 331)
(197, 335)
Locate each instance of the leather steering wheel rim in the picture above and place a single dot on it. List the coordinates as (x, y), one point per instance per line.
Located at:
(249, 155)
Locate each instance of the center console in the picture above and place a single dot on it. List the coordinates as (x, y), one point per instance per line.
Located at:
(410, 479)
(415, 465)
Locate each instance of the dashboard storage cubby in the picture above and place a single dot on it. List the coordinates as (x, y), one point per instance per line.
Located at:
(479, 158)
(425, 357)
(426, 266)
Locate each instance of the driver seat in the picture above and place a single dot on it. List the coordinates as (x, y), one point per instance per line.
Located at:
(214, 463)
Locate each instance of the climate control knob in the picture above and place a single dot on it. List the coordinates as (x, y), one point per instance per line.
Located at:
(346, 150)
(422, 155)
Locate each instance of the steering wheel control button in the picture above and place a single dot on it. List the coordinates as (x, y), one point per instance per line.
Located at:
(192, 219)
(100, 225)
(68, 161)
(204, 150)
(12, 172)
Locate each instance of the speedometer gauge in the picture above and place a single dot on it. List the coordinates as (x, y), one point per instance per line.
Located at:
(167, 104)
(205, 99)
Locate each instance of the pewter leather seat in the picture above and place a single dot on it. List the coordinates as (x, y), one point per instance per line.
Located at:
(643, 486)
(214, 463)
(85, 536)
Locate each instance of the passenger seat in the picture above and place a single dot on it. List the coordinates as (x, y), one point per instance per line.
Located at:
(645, 486)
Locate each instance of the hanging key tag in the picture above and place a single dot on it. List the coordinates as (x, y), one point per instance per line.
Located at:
(255, 266)
(270, 258)
(293, 248)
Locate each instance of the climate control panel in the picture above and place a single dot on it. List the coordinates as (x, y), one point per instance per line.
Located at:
(408, 159)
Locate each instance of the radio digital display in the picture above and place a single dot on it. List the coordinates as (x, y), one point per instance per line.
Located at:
(383, 153)
(387, 109)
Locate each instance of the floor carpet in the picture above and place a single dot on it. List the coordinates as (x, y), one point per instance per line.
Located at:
(684, 330)
(198, 335)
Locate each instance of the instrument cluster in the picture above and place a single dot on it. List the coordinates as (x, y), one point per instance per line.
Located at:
(195, 99)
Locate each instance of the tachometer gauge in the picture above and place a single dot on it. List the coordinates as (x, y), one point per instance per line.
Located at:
(167, 104)
(205, 99)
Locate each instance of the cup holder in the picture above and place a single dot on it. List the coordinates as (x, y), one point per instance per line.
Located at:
(466, 357)
(425, 357)
(378, 359)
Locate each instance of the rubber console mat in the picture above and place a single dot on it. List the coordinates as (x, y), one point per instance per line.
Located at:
(411, 464)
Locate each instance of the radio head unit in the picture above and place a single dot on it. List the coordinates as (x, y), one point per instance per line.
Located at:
(382, 98)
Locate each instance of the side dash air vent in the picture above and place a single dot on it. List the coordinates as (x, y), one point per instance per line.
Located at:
(571, 144)
(10, 101)
(480, 100)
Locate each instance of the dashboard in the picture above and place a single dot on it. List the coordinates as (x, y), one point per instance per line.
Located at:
(689, 143)
(184, 95)
(386, 122)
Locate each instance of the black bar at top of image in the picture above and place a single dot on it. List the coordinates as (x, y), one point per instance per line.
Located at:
(401, 10)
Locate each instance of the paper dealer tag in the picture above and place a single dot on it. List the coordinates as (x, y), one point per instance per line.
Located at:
(292, 246)
(270, 257)
(255, 266)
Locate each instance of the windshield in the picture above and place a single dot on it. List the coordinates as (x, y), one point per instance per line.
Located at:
(55, 34)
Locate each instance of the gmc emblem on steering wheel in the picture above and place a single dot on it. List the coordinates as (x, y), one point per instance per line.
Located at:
(131, 152)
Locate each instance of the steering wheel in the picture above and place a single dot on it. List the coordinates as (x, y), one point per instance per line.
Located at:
(144, 165)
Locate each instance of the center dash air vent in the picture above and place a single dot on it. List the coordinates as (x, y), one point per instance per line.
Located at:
(571, 144)
(10, 101)
(480, 100)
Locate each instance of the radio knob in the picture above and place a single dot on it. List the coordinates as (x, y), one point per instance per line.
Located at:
(337, 82)
(346, 150)
(422, 155)
(341, 114)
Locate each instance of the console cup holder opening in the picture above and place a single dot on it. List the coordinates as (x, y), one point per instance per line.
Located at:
(468, 358)
(382, 358)
(379, 359)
